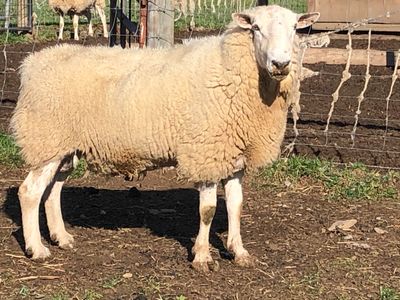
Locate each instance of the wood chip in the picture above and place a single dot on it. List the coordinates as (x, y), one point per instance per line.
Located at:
(343, 225)
(358, 245)
(44, 277)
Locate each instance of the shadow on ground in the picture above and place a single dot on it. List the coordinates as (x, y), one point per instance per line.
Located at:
(169, 213)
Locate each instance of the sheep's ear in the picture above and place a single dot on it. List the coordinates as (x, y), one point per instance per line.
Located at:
(305, 20)
(242, 20)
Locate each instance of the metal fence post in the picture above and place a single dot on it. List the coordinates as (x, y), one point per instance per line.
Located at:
(113, 22)
(262, 2)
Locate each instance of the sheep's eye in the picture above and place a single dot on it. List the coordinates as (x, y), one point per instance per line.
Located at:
(255, 27)
(295, 26)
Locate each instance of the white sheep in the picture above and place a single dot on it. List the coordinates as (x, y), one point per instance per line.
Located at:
(75, 8)
(227, 114)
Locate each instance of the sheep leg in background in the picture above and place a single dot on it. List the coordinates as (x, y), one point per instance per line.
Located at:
(102, 15)
(234, 200)
(207, 207)
(75, 22)
(213, 7)
(30, 193)
(61, 29)
(192, 7)
(88, 15)
(55, 221)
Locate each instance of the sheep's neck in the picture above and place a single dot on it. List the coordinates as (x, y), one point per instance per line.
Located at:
(249, 80)
(257, 98)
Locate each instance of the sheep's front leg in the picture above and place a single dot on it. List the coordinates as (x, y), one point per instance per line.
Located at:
(234, 200)
(61, 29)
(201, 249)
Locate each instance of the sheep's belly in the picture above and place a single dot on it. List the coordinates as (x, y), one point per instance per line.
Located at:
(130, 169)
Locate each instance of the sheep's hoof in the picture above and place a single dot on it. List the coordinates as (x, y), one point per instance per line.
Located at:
(205, 266)
(246, 261)
(64, 241)
(38, 254)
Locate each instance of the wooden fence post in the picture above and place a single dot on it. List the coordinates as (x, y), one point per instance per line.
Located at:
(143, 22)
(160, 24)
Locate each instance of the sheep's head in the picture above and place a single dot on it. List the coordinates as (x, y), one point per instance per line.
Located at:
(273, 29)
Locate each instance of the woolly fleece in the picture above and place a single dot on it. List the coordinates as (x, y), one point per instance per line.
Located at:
(75, 6)
(205, 107)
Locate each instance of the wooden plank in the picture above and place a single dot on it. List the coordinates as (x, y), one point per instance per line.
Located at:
(338, 11)
(373, 27)
(334, 56)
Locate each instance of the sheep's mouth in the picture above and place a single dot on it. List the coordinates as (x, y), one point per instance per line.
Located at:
(279, 75)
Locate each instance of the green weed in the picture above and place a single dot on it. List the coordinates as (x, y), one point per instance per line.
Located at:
(9, 152)
(60, 296)
(352, 181)
(80, 170)
(386, 293)
(111, 283)
(24, 291)
(92, 295)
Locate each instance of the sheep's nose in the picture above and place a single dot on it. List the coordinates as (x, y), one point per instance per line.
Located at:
(280, 65)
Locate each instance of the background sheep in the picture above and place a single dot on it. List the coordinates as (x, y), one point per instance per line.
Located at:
(75, 8)
(228, 114)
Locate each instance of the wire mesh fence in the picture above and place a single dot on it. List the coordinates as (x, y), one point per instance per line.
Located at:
(216, 14)
(16, 14)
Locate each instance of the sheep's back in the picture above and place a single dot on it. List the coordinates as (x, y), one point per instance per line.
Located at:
(97, 100)
(77, 6)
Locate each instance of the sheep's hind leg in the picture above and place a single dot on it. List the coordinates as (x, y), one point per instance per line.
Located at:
(75, 23)
(89, 17)
(234, 200)
(30, 193)
(55, 222)
(102, 15)
(201, 249)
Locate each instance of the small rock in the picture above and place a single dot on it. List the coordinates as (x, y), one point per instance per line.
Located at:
(380, 230)
(127, 275)
(348, 237)
(273, 247)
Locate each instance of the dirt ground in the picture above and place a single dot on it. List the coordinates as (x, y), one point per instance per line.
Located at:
(134, 238)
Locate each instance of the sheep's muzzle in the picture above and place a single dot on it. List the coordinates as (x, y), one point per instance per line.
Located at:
(280, 70)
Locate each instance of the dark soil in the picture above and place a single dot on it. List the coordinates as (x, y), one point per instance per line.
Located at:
(148, 228)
